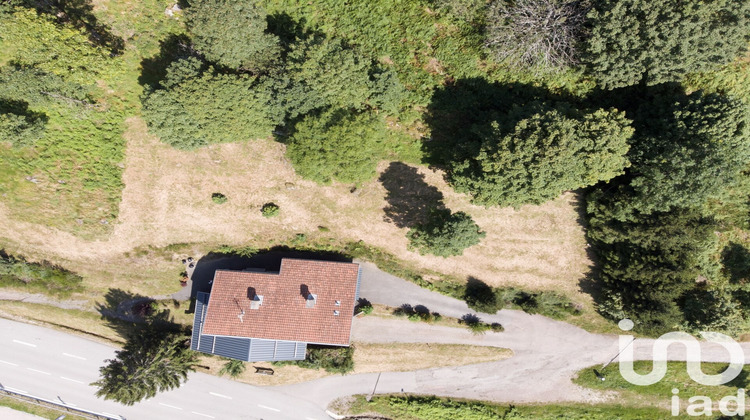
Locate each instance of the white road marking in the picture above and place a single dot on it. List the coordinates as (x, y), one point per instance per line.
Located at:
(269, 408)
(20, 391)
(74, 356)
(39, 371)
(110, 414)
(71, 405)
(170, 406)
(219, 395)
(24, 343)
(8, 363)
(201, 414)
(73, 380)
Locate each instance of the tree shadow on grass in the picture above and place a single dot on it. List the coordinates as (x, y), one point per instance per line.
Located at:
(154, 69)
(410, 198)
(126, 312)
(80, 13)
(457, 110)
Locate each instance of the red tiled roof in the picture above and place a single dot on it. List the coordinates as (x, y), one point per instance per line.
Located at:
(284, 314)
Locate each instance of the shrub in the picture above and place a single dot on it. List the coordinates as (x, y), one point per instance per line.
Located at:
(332, 359)
(37, 277)
(219, 198)
(481, 297)
(20, 129)
(269, 210)
(477, 326)
(364, 306)
(444, 234)
(233, 368)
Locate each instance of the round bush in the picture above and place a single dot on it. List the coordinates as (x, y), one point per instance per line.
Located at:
(269, 210)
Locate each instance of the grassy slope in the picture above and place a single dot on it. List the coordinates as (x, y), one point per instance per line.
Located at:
(431, 408)
(661, 392)
(79, 161)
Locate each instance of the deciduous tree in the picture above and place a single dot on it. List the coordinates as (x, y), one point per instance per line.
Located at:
(534, 33)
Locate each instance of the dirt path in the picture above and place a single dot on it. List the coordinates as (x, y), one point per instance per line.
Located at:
(42, 299)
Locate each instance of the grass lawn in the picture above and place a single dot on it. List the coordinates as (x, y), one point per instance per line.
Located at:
(69, 320)
(660, 393)
(37, 410)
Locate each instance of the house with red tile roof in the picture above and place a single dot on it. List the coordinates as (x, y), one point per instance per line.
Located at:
(259, 316)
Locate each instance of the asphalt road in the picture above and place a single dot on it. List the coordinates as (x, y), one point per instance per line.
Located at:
(57, 366)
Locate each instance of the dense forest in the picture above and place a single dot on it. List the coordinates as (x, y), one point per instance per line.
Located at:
(639, 106)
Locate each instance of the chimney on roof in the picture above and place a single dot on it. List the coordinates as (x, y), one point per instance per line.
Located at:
(255, 299)
(310, 298)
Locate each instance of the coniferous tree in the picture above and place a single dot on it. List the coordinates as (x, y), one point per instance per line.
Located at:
(445, 234)
(151, 361)
(651, 42)
(196, 107)
(687, 148)
(232, 34)
(544, 155)
(340, 145)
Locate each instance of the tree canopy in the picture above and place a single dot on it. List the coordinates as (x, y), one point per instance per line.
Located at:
(651, 42)
(151, 361)
(687, 148)
(197, 107)
(650, 228)
(233, 33)
(544, 155)
(536, 33)
(322, 73)
(340, 145)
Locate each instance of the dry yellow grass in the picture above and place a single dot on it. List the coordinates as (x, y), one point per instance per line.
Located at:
(167, 199)
(282, 374)
(389, 357)
(74, 321)
(400, 357)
